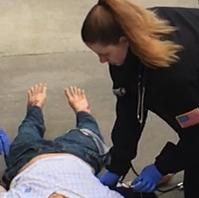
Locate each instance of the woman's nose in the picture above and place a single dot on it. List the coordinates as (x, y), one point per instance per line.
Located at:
(103, 59)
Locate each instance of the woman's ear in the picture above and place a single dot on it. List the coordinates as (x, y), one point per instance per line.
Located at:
(123, 41)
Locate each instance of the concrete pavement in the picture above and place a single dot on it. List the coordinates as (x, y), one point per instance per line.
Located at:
(49, 31)
(48, 26)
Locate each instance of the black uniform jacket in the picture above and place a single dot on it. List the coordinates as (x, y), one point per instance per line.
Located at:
(171, 93)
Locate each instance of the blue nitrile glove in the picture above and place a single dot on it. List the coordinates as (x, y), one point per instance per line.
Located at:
(109, 179)
(147, 180)
(4, 143)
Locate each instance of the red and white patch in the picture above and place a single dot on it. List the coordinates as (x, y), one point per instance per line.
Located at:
(188, 119)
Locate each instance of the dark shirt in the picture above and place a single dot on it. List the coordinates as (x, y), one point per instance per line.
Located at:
(169, 92)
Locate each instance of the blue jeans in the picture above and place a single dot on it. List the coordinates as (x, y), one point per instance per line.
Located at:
(85, 142)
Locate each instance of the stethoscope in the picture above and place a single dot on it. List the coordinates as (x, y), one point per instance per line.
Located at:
(141, 93)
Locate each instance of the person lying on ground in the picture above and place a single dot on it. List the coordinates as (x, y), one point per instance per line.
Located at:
(64, 167)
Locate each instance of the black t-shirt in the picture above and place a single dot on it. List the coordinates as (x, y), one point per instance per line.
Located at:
(171, 93)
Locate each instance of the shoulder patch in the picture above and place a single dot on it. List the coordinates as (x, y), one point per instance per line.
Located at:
(188, 119)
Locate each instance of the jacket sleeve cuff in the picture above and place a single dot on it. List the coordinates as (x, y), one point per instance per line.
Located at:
(167, 161)
(118, 166)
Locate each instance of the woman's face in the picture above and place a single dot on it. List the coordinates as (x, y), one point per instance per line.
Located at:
(112, 54)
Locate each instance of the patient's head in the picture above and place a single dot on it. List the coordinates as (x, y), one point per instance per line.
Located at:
(56, 195)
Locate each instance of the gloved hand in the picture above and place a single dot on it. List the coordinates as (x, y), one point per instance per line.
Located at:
(109, 179)
(147, 180)
(4, 143)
